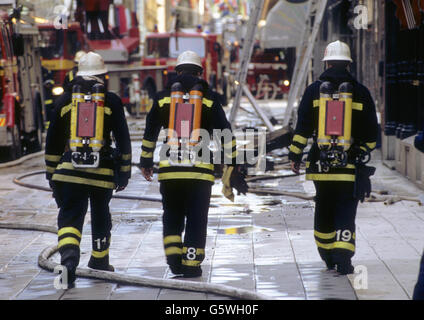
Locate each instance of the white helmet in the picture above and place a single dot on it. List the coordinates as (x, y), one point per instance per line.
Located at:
(78, 56)
(337, 50)
(91, 64)
(189, 57)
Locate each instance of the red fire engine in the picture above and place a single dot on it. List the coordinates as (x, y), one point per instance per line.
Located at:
(21, 95)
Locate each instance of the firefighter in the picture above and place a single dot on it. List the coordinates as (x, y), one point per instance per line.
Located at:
(70, 75)
(339, 114)
(185, 186)
(82, 165)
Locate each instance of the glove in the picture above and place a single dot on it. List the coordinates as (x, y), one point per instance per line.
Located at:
(362, 187)
(238, 182)
(121, 183)
(227, 190)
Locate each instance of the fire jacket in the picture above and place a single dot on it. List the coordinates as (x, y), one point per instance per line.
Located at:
(115, 164)
(364, 126)
(213, 117)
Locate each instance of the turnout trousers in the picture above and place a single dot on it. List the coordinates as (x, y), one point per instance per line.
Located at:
(186, 206)
(73, 201)
(334, 222)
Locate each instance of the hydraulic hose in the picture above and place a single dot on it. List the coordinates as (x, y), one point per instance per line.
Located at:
(45, 263)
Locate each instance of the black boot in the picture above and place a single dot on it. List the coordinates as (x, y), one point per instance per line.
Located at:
(191, 272)
(100, 264)
(345, 268)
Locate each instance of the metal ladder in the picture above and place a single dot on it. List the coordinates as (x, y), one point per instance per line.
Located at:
(249, 42)
(304, 56)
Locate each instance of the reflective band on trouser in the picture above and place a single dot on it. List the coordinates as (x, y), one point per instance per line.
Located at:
(173, 245)
(325, 240)
(193, 257)
(68, 236)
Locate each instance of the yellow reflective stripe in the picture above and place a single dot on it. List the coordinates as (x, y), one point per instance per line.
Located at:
(102, 171)
(163, 101)
(166, 164)
(173, 250)
(52, 158)
(148, 144)
(330, 177)
(100, 254)
(186, 175)
(66, 241)
(327, 246)
(72, 230)
(49, 101)
(50, 169)
(198, 250)
(90, 182)
(65, 110)
(190, 263)
(108, 111)
(230, 144)
(125, 168)
(344, 245)
(207, 102)
(371, 145)
(357, 106)
(71, 75)
(171, 239)
(126, 156)
(295, 149)
(316, 103)
(325, 235)
(146, 154)
(300, 139)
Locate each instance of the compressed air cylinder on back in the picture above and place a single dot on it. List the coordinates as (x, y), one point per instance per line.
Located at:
(196, 99)
(77, 97)
(326, 91)
(98, 97)
(345, 95)
(177, 93)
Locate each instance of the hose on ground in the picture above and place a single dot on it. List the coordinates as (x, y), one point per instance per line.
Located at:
(45, 263)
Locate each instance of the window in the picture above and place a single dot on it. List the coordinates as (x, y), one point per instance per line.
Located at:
(196, 44)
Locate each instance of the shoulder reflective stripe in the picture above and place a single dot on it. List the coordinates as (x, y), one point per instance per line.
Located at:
(344, 245)
(207, 102)
(148, 144)
(108, 111)
(125, 168)
(371, 145)
(69, 240)
(172, 239)
(145, 154)
(357, 106)
(77, 180)
(53, 158)
(316, 103)
(330, 177)
(186, 175)
(71, 75)
(325, 235)
(300, 139)
(102, 171)
(72, 230)
(172, 250)
(100, 254)
(65, 110)
(161, 102)
(295, 149)
(127, 156)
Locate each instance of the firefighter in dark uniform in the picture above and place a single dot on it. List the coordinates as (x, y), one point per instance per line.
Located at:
(78, 175)
(186, 190)
(339, 185)
(71, 74)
